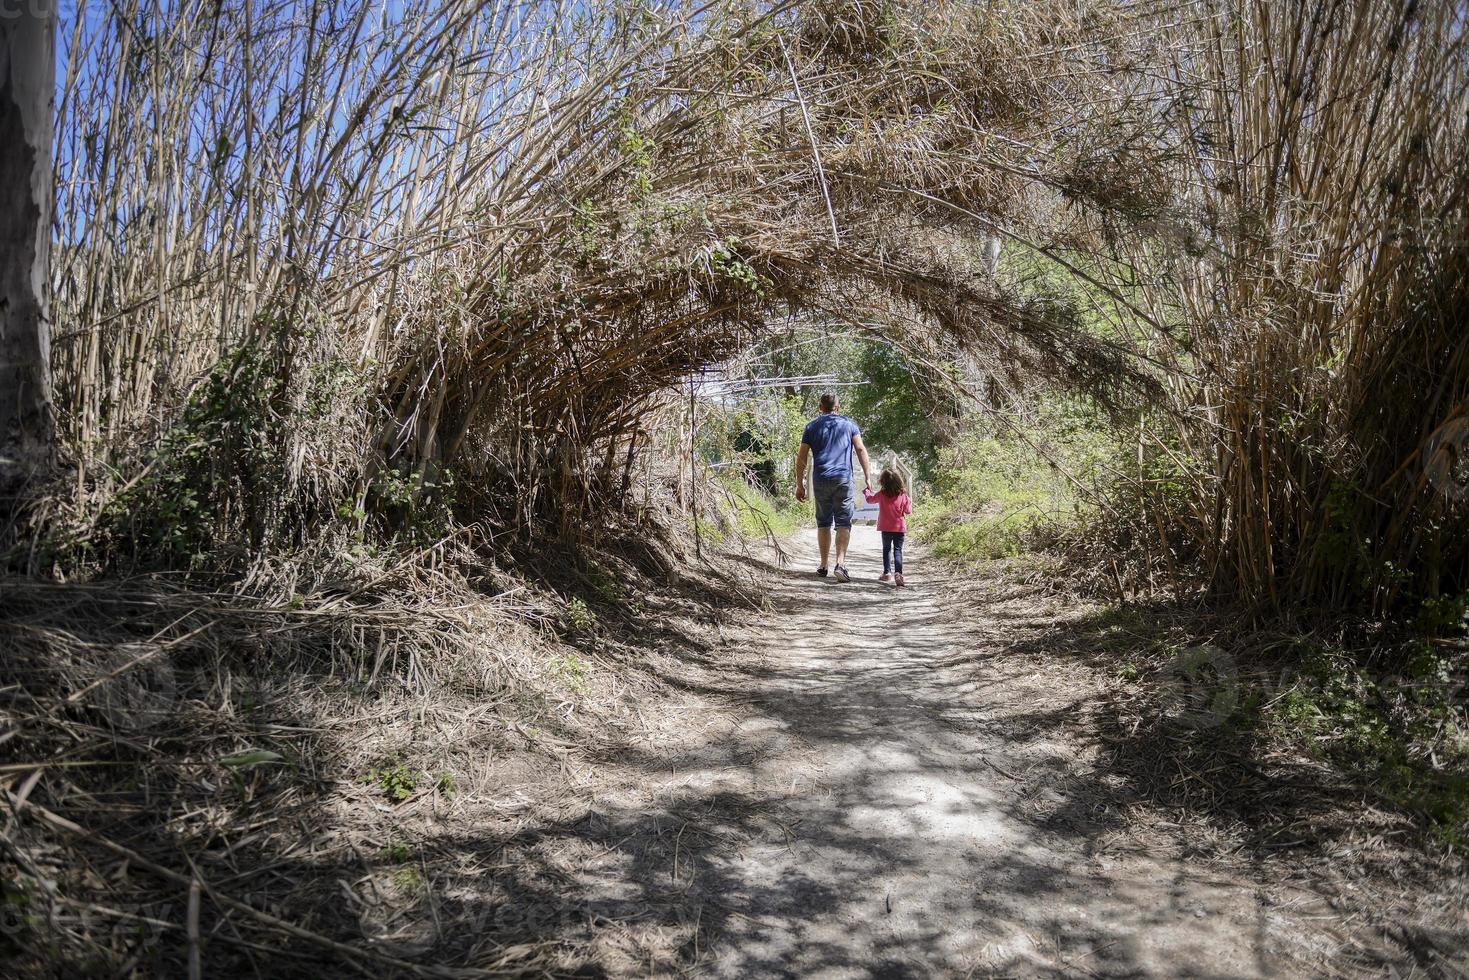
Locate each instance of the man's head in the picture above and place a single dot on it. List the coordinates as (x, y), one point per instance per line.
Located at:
(828, 402)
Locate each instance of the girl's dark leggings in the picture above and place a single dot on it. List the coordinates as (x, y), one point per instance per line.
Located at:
(892, 552)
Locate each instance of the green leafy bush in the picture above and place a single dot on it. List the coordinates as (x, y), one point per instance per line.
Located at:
(997, 495)
(217, 469)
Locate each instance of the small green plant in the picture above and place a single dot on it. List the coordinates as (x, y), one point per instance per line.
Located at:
(416, 507)
(447, 786)
(605, 584)
(579, 615)
(393, 778)
(571, 670)
(637, 151)
(409, 880)
(726, 263)
(396, 853)
(250, 759)
(588, 230)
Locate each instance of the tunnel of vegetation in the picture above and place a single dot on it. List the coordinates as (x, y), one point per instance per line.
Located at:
(452, 281)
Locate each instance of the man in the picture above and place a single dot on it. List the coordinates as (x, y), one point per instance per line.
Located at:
(830, 438)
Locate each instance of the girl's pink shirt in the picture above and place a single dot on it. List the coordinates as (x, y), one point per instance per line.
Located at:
(890, 510)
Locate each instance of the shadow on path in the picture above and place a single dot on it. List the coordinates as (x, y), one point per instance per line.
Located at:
(901, 801)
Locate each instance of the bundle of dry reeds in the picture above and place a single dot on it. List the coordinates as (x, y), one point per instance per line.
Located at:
(1314, 280)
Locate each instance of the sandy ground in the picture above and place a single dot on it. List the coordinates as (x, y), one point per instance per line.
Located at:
(893, 797)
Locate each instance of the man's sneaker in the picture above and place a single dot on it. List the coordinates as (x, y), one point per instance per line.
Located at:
(900, 578)
(884, 577)
(840, 574)
(821, 571)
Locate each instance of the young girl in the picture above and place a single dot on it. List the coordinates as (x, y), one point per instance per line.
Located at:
(892, 507)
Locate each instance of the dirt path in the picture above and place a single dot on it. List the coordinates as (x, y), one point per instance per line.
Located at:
(948, 780)
(899, 801)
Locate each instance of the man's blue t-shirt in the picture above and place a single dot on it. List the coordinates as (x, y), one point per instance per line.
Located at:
(830, 438)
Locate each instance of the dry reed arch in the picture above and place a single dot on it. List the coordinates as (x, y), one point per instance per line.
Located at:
(483, 237)
(859, 159)
(322, 267)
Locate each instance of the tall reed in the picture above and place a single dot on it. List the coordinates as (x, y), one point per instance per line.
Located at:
(1320, 297)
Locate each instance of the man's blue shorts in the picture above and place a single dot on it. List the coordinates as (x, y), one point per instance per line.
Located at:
(833, 501)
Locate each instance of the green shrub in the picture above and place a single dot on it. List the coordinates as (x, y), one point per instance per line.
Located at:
(217, 469)
(393, 778)
(991, 496)
(757, 513)
(579, 616)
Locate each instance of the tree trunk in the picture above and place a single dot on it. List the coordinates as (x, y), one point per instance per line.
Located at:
(27, 84)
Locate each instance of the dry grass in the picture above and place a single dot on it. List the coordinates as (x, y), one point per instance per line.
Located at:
(310, 767)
